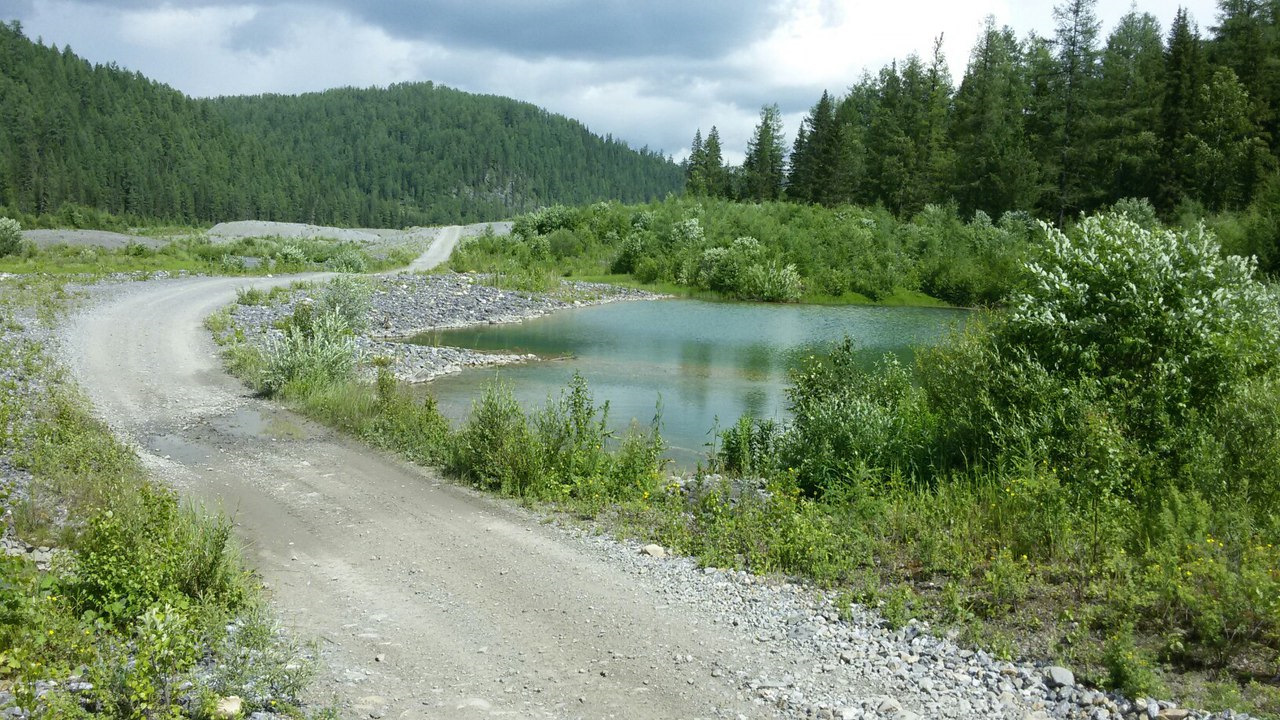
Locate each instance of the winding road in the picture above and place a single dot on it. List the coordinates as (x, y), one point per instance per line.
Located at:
(431, 601)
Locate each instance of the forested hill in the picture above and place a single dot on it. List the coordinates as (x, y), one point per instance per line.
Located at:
(78, 134)
(461, 155)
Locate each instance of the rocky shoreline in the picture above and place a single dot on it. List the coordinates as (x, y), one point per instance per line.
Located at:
(404, 306)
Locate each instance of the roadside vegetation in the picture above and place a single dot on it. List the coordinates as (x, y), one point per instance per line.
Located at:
(1087, 473)
(146, 610)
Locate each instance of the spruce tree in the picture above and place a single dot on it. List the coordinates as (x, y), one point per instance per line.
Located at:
(994, 169)
(816, 158)
(762, 169)
(1130, 91)
(1076, 43)
(1185, 70)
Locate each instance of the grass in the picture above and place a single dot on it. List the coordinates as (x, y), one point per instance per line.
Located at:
(144, 587)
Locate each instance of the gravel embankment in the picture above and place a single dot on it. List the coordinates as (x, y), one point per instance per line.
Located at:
(821, 663)
(406, 305)
(21, 392)
(89, 238)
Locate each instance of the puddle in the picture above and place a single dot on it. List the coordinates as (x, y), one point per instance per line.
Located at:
(172, 447)
(249, 422)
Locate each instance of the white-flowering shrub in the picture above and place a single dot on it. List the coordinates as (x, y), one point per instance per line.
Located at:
(10, 236)
(687, 232)
(1145, 311)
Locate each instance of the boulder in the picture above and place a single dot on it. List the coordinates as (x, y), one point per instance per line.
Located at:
(1058, 677)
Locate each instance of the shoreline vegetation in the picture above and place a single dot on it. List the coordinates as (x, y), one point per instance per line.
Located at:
(1085, 476)
(772, 251)
(117, 598)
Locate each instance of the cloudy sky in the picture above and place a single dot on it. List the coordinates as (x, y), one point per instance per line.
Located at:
(647, 71)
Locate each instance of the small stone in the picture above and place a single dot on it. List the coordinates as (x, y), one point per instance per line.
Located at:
(379, 658)
(1057, 677)
(228, 707)
(1174, 714)
(889, 706)
(654, 551)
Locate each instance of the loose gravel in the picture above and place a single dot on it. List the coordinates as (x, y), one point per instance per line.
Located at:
(830, 664)
(407, 305)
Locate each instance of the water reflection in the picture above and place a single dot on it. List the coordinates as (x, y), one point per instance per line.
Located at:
(756, 361)
(705, 360)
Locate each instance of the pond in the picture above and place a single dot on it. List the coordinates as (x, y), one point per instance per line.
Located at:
(704, 363)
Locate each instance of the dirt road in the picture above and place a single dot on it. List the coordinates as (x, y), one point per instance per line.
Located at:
(431, 601)
(447, 239)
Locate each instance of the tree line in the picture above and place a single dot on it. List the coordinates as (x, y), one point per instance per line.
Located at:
(1052, 125)
(79, 137)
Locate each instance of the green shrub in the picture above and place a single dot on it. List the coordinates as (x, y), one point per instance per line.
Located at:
(544, 221)
(251, 296)
(770, 283)
(319, 352)
(1129, 669)
(351, 298)
(494, 447)
(143, 549)
(290, 254)
(347, 260)
(750, 447)
(571, 432)
(847, 421)
(10, 236)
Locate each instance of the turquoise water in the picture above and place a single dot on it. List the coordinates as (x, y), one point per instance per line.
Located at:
(703, 361)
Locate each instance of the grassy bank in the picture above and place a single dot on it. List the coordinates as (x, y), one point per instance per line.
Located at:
(1086, 476)
(147, 610)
